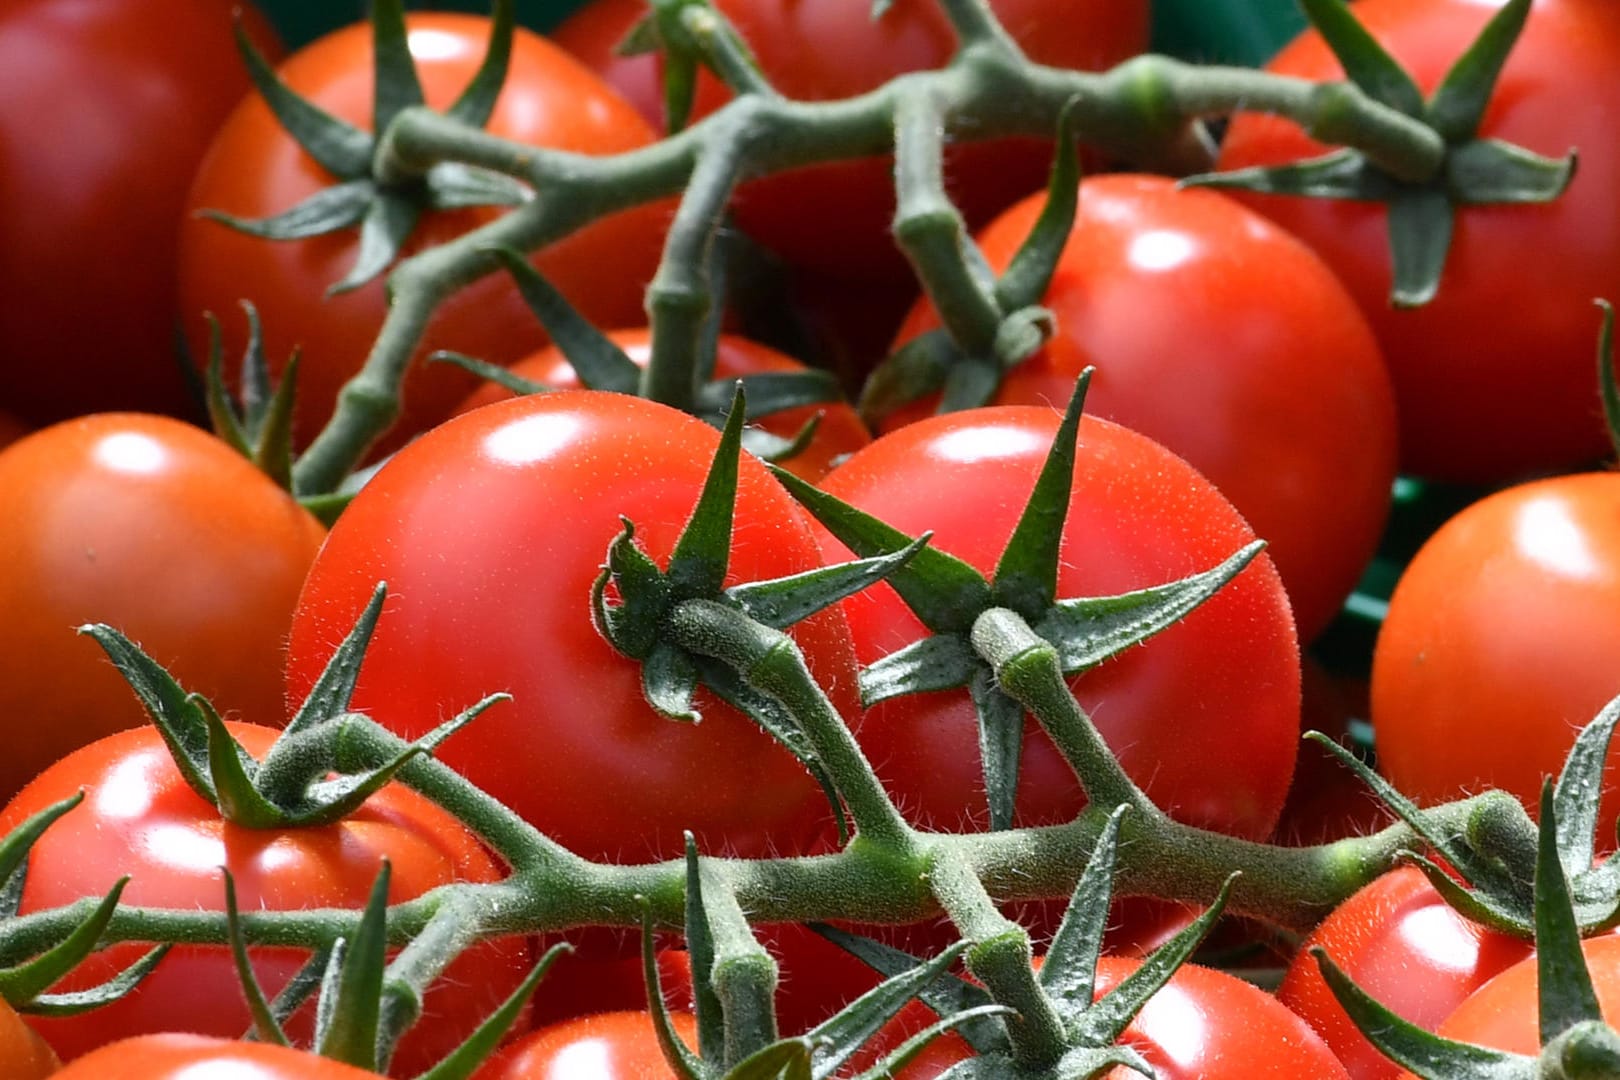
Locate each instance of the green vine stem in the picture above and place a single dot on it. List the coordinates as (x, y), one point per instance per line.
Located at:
(1143, 110)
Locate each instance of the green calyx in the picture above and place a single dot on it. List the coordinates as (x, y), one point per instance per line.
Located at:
(385, 207)
(949, 596)
(294, 785)
(258, 425)
(1576, 1042)
(1473, 170)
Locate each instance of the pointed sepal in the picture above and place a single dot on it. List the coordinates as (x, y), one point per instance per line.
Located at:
(14, 849)
(341, 148)
(464, 1060)
(266, 1025)
(350, 1034)
(1070, 972)
(697, 566)
(782, 602)
(476, 103)
(596, 359)
(395, 84)
(677, 1055)
(1023, 284)
(1366, 63)
(1455, 108)
(387, 224)
(938, 662)
(505, 378)
(1566, 995)
(1001, 745)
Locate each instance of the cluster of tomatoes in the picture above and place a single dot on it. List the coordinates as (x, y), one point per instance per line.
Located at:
(1251, 379)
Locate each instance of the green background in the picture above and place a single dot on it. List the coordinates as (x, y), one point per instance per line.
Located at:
(1227, 31)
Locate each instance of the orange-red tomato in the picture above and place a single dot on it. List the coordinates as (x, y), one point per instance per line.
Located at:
(254, 169)
(1501, 642)
(835, 218)
(192, 1057)
(1224, 338)
(140, 818)
(840, 432)
(606, 1046)
(105, 113)
(23, 1054)
(162, 531)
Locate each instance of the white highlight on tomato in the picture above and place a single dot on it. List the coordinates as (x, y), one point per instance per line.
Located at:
(1546, 534)
(531, 439)
(131, 452)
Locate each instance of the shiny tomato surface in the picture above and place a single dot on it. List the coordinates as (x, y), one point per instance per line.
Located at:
(606, 1046)
(192, 1057)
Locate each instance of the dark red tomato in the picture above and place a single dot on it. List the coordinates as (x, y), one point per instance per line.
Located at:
(11, 430)
(490, 530)
(1498, 351)
(161, 530)
(1327, 801)
(1406, 947)
(1202, 1025)
(139, 818)
(1501, 643)
(840, 432)
(254, 169)
(606, 1046)
(835, 218)
(106, 111)
(1165, 290)
(1204, 715)
(23, 1054)
(604, 974)
(1503, 1013)
(191, 1057)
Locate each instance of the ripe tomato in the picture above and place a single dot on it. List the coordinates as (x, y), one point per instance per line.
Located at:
(161, 530)
(106, 110)
(606, 1046)
(840, 432)
(1202, 1025)
(1204, 715)
(1496, 351)
(835, 218)
(1406, 947)
(1503, 1013)
(188, 1057)
(490, 530)
(140, 818)
(1293, 418)
(254, 169)
(23, 1054)
(1501, 643)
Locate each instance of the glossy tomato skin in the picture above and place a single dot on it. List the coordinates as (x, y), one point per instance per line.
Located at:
(840, 431)
(835, 218)
(139, 818)
(1500, 643)
(606, 1046)
(1165, 290)
(23, 1054)
(1406, 947)
(1503, 1013)
(186, 1057)
(1491, 327)
(254, 169)
(1202, 1025)
(490, 531)
(106, 112)
(162, 531)
(1204, 715)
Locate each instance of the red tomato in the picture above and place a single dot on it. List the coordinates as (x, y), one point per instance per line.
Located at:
(161, 530)
(1503, 1013)
(1498, 350)
(1406, 947)
(840, 432)
(835, 218)
(188, 1057)
(1292, 416)
(606, 1046)
(490, 531)
(23, 1054)
(1204, 715)
(1327, 801)
(1501, 643)
(106, 111)
(604, 974)
(254, 169)
(1202, 1025)
(140, 818)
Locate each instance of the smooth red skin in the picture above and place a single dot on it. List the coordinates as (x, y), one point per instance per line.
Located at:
(162, 531)
(188, 1057)
(1503, 1013)
(490, 565)
(1406, 947)
(1202, 1025)
(605, 1046)
(1244, 355)
(835, 218)
(254, 169)
(23, 1054)
(1498, 350)
(1326, 801)
(140, 819)
(1204, 715)
(840, 432)
(604, 974)
(1501, 643)
(106, 112)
